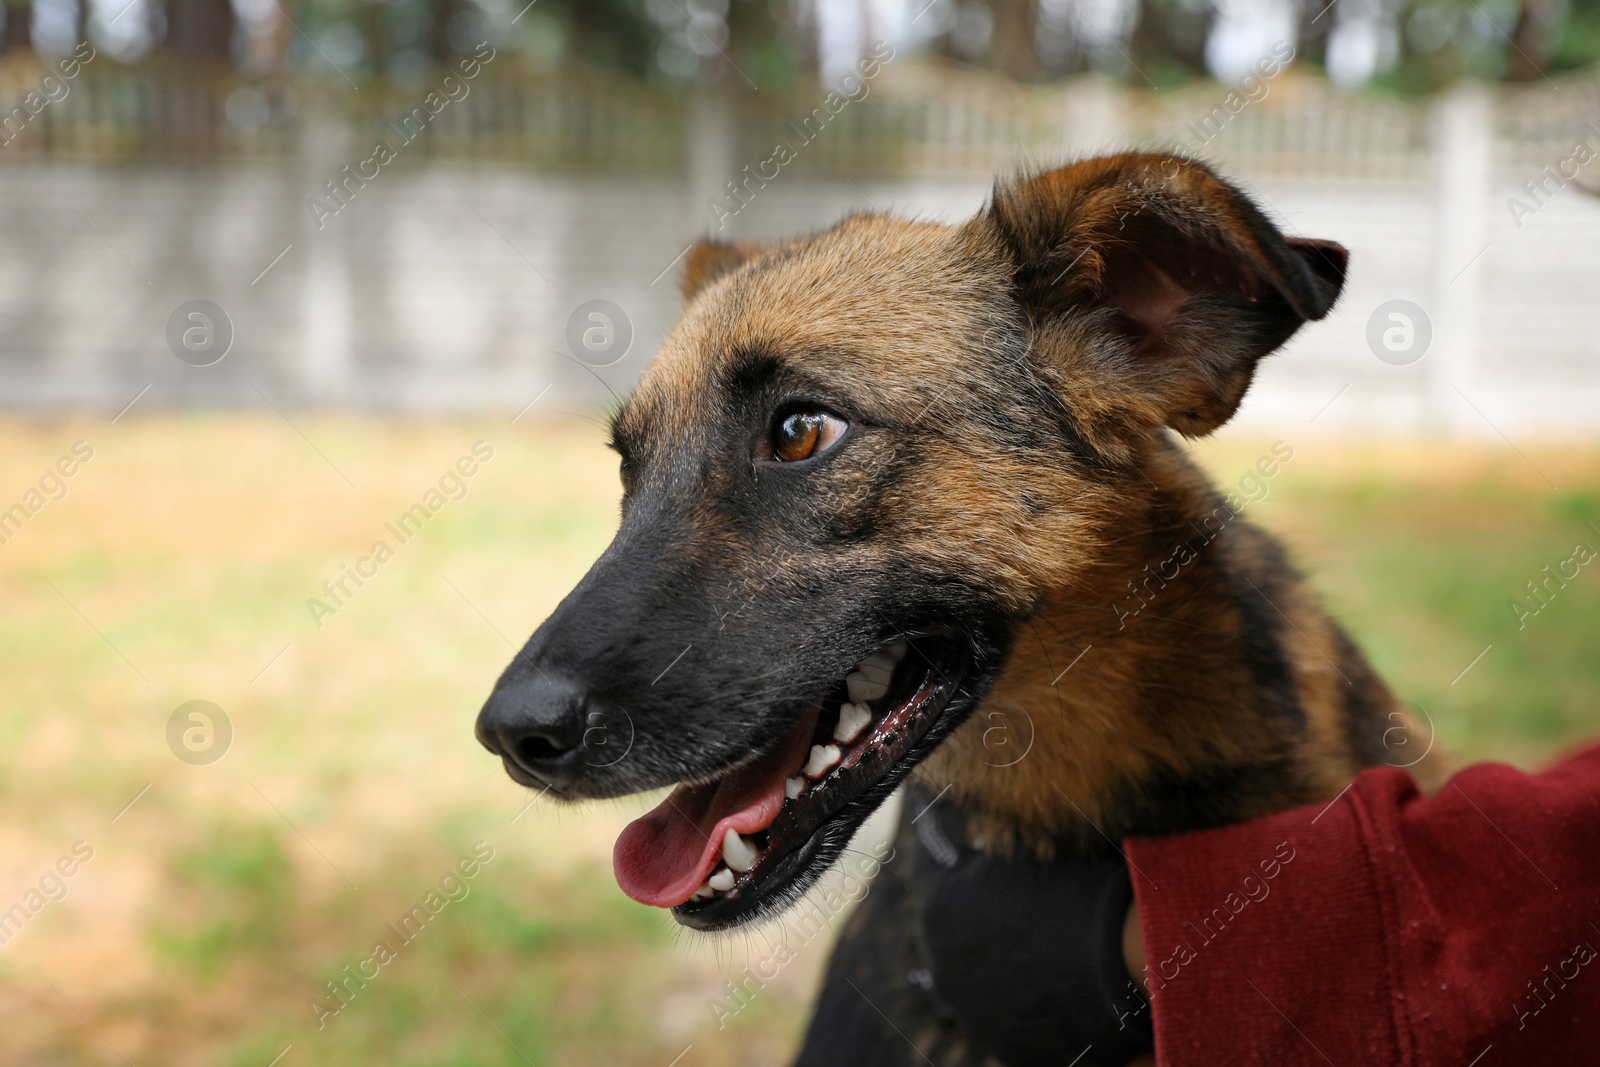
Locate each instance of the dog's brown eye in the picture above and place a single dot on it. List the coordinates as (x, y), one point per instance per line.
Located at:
(625, 472)
(805, 434)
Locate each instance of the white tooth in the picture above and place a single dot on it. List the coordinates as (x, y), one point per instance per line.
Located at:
(823, 757)
(867, 684)
(793, 787)
(895, 652)
(882, 661)
(853, 718)
(722, 881)
(703, 892)
(737, 852)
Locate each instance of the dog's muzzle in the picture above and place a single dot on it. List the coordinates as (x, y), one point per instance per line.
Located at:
(538, 727)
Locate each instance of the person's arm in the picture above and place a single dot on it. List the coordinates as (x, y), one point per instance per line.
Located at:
(1386, 927)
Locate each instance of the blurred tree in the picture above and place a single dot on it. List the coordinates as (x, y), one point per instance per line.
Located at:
(615, 34)
(1013, 39)
(1577, 36)
(1531, 40)
(1527, 40)
(767, 42)
(774, 42)
(18, 31)
(1439, 41)
(447, 18)
(1316, 17)
(1169, 39)
(200, 30)
(374, 32)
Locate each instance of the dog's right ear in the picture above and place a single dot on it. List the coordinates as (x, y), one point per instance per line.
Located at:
(1157, 286)
(709, 260)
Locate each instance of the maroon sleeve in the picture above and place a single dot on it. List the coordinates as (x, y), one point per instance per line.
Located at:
(1386, 927)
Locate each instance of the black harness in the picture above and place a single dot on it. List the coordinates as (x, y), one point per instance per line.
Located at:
(1024, 956)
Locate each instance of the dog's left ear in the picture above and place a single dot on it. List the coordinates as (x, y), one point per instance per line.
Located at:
(1200, 284)
(709, 260)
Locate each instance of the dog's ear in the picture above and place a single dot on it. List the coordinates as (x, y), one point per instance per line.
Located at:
(709, 260)
(1200, 284)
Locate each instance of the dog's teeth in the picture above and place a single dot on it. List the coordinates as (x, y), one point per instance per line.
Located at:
(793, 787)
(868, 683)
(823, 758)
(737, 852)
(895, 652)
(703, 892)
(853, 718)
(880, 664)
(722, 881)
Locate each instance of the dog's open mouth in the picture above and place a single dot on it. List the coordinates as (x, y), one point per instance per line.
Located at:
(715, 852)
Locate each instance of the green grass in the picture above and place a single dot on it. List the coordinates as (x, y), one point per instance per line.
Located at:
(1421, 551)
(219, 905)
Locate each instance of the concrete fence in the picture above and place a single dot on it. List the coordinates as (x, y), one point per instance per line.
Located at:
(455, 269)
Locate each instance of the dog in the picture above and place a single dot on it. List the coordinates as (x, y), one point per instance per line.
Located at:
(889, 484)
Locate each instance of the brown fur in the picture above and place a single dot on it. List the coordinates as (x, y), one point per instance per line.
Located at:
(1012, 386)
(886, 309)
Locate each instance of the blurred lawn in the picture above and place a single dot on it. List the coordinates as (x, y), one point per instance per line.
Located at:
(218, 905)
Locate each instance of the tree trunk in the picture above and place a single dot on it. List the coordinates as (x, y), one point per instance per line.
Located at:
(1147, 44)
(442, 11)
(1012, 50)
(200, 30)
(1529, 52)
(1171, 33)
(1316, 18)
(375, 32)
(1187, 33)
(19, 27)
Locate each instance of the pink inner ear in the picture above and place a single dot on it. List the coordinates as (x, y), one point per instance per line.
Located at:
(1145, 293)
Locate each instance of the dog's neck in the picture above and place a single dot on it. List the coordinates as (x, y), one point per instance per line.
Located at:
(1193, 681)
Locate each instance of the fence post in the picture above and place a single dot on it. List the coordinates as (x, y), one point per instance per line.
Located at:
(326, 313)
(711, 162)
(1462, 133)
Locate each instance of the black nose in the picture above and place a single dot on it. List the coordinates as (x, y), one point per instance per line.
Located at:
(536, 723)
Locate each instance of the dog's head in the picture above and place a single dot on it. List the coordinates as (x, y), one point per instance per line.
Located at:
(854, 469)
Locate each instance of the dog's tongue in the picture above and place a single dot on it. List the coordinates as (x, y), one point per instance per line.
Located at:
(663, 857)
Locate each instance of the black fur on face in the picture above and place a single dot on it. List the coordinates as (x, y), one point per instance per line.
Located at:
(739, 591)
